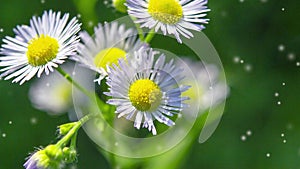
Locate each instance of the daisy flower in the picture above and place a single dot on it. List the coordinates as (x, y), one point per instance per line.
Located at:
(111, 41)
(38, 48)
(144, 89)
(170, 16)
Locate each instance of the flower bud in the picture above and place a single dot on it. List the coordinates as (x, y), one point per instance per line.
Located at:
(65, 128)
(120, 5)
(45, 158)
(54, 152)
(70, 155)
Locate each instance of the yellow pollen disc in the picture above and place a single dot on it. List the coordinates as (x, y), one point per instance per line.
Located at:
(166, 11)
(41, 50)
(109, 56)
(145, 95)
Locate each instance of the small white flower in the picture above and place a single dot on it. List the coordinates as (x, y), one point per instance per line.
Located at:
(52, 93)
(38, 48)
(207, 90)
(111, 41)
(145, 89)
(170, 16)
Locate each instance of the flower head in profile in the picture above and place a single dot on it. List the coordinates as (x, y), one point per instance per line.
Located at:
(175, 17)
(49, 158)
(38, 48)
(111, 41)
(144, 89)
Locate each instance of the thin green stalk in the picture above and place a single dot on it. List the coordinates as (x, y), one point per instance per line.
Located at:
(139, 29)
(74, 130)
(73, 141)
(69, 78)
(149, 36)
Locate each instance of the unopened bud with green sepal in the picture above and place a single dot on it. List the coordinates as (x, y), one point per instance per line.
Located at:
(70, 155)
(65, 128)
(120, 5)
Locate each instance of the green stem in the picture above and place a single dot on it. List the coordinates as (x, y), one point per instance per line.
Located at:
(73, 141)
(139, 29)
(74, 130)
(149, 36)
(69, 78)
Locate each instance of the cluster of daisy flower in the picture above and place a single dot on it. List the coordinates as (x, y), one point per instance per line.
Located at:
(142, 84)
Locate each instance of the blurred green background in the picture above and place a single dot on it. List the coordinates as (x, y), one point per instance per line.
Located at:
(258, 43)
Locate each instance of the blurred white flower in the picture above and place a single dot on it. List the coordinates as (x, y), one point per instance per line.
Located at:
(52, 93)
(207, 89)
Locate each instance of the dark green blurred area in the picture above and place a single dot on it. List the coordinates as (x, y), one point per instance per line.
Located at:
(251, 30)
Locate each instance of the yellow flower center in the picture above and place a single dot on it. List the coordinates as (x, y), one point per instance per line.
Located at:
(166, 11)
(41, 50)
(145, 95)
(109, 56)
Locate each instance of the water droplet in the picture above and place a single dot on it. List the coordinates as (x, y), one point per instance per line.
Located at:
(282, 135)
(43, 1)
(73, 166)
(10, 122)
(159, 147)
(1, 30)
(3, 135)
(210, 87)
(73, 73)
(248, 67)
(249, 132)
(47, 84)
(298, 64)
(284, 141)
(276, 94)
(263, 1)
(236, 59)
(223, 13)
(283, 9)
(281, 47)
(90, 23)
(241, 1)
(243, 138)
(33, 120)
(242, 61)
(105, 2)
(279, 102)
(78, 15)
(283, 84)
(291, 56)
(268, 155)
(179, 115)
(289, 126)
